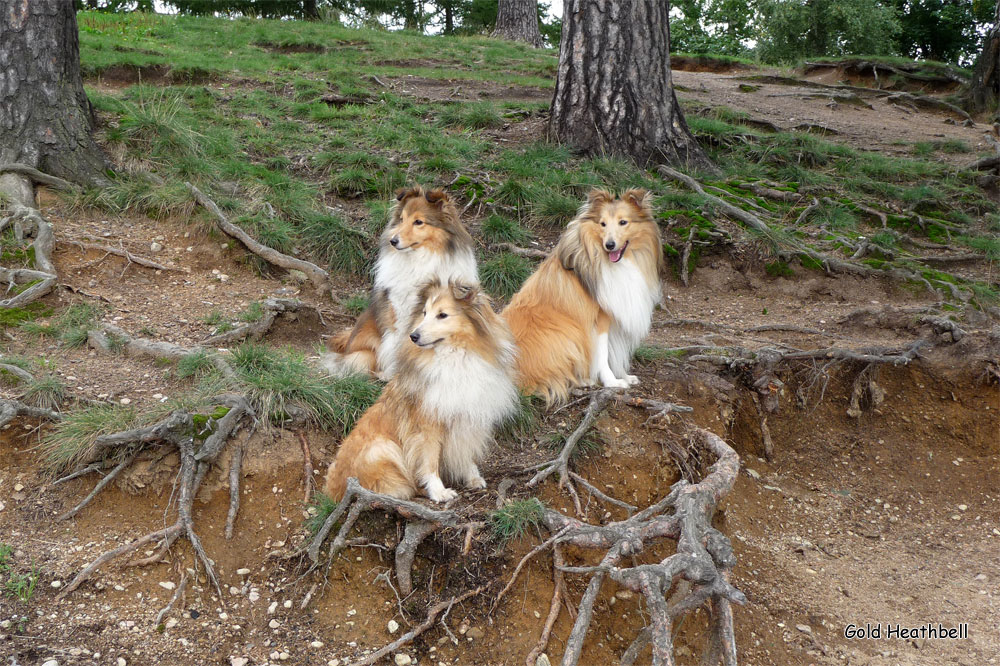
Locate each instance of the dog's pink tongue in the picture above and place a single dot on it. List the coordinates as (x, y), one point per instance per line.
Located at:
(616, 255)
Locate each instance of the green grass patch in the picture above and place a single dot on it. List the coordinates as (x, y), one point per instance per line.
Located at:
(355, 304)
(71, 440)
(46, 392)
(195, 364)
(500, 229)
(650, 354)
(281, 386)
(477, 115)
(524, 422)
(320, 508)
(503, 274)
(516, 518)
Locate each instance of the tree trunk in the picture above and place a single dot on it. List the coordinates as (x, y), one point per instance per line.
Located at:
(983, 92)
(449, 19)
(45, 117)
(309, 10)
(614, 93)
(517, 20)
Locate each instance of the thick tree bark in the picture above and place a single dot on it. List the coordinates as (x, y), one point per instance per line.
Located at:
(614, 92)
(517, 20)
(45, 117)
(983, 91)
(309, 10)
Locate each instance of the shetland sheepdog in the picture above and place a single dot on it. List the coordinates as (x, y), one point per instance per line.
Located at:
(424, 239)
(454, 382)
(578, 319)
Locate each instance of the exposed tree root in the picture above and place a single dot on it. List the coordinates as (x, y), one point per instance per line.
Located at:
(99, 339)
(529, 252)
(551, 541)
(26, 219)
(357, 499)
(178, 593)
(319, 277)
(598, 401)
(405, 639)
(257, 329)
(235, 474)
(178, 430)
(22, 374)
(11, 409)
(703, 558)
(122, 252)
(558, 592)
(307, 467)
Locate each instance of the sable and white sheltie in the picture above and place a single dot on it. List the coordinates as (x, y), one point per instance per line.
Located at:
(578, 319)
(454, 382)
(424, 239)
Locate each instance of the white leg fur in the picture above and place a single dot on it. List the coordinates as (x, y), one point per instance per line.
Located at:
(601, 367)
(436, 490)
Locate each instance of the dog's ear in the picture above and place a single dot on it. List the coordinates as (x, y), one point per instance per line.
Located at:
(464, 293)
(640, 198)
(404, 193)
(437, 197)
(597, 197)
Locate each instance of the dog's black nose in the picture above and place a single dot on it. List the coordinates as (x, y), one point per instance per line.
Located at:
(415, 337)
(609, 244)
(394, 241)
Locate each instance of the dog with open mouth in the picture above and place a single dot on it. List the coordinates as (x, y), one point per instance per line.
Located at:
(579, 318)
(424, 240)
(454, 383)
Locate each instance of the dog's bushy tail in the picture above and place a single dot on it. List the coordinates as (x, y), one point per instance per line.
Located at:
(342, 365)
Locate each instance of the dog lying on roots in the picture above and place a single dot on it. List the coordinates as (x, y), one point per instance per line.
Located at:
(454, 383)
(424, 240)
(579, 318)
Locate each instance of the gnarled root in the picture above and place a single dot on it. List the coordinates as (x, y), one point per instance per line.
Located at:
(703, 559)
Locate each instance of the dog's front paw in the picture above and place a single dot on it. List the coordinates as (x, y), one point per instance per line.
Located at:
(443, 495)
(476, 483)
(614, 382)
(632, 380)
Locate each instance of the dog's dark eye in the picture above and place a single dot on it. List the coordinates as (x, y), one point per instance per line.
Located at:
(442, 315)
(417, 223)
(603, 224)
(623, 223)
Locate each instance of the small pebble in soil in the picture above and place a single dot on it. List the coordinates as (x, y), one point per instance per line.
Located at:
(167, 585)
(287, 604)
(121, 661)
(316, 644)
(274, 624)
(125, 401)
(238, 661)
(57, 584)
(51, 662)
(393, 626)
(333, 662)
(242, 572)
(402, 659)
(273, 607)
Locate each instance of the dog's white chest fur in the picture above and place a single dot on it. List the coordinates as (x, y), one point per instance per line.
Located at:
(472, 396)
(625, 294)
(403, 273)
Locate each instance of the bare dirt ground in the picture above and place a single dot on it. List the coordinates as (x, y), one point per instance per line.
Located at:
(892, 516)
(887, 127)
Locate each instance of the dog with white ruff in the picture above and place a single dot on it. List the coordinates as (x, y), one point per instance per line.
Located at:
(454, 383)
(424, 240)
(579, 318)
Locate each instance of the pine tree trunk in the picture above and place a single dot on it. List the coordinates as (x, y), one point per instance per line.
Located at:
(309, 10)
(983, 91)
(614, 92)
(517, 20)
(45, 117)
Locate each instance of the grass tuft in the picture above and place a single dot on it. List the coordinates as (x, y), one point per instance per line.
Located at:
(71, 440)
(323, 505)
(504, 274)
(195, 364)
(500, 229)
(45, 392)
(649, 354)
(515, 518)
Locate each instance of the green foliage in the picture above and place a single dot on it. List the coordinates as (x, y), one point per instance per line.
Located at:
(942, 29)
(711, 26)
(792, 30)
(341, 246)
(18, 316)
(319, 510)
(503, 274)
(46, 392)
(525, 420)
(253, 312)
(650, 354)
(195, 364)
(778, 269)
(281, 385)
(71, 440)
(500, 229)
(355, 304)
(477, 115)
(515, 518)
(17, 584)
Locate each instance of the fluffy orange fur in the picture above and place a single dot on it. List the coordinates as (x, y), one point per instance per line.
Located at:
(420, 218)
(555, 316)
(411, 437)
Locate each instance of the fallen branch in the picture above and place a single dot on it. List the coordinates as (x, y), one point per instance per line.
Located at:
(319, 277)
